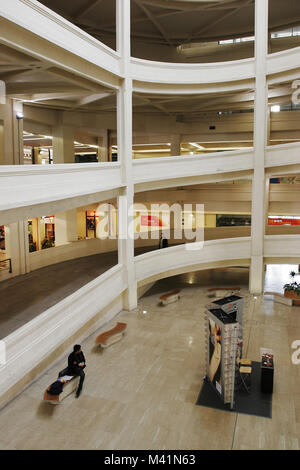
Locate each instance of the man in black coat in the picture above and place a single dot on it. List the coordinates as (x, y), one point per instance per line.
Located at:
(76, 364)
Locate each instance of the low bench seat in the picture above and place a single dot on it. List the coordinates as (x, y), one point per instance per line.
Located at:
(69, 387)
(170, 297)
(222, 291)
(112, 336)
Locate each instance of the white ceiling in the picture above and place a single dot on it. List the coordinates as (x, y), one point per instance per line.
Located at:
(170, 23)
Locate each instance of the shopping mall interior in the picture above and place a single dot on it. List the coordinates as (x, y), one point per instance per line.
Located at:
(123, 124)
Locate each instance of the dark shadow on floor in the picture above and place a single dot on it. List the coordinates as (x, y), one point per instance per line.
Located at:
(254, 403)
(225, 277)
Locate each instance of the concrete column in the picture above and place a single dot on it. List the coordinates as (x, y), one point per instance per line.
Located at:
(63, 142)
(125, 201)
(175, 145)
(102, 142)
(18, 132)
(17, 247)
(11, 133)
(260, 141)
(66, 227)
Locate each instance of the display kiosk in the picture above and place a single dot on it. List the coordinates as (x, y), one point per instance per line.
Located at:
(223, 332)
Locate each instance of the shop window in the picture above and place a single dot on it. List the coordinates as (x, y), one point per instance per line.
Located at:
(49, 240)
(86, 158)
(32, 243)
(233, 220)
(2, 237)
(92, 221)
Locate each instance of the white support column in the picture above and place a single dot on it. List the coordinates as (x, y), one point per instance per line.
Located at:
(260, 141)
(175, 145)
(11, 138)
(18, 114)
(66, 227)
(102, 143)
(17, 247)
(63, 142)
(125, 202)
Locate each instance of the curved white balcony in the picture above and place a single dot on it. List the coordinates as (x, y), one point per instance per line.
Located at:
(174, 73)
(35, 190)
(169, 261)
(167, 168)
(283, 61)
(282, 247)
(282, 155)
(33, 342)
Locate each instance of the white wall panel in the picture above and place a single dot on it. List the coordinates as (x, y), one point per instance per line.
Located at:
(163, 72)
(282, 246)
(281, 155)
(174, 258)
(57, 187)
(154, 169)
(283, 61)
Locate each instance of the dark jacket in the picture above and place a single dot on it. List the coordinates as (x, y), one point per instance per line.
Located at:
(75, 358)
(56, 388)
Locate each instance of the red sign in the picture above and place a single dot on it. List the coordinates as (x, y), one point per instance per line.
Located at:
(279, 221)
(150, 221)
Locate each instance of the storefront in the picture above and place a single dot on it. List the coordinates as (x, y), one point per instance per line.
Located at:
(233, 220)
(41, 233)
(2, 238)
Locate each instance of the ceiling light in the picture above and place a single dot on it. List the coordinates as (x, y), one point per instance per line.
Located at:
(275, 108)
(200, 147)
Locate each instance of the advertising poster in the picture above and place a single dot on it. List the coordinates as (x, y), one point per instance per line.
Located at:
(215, 355)
(151, 221)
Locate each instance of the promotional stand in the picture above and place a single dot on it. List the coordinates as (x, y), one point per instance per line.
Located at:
(223, 332)
(233, 305)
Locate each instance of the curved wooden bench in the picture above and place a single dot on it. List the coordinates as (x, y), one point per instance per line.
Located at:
(112, 336)
(170, 297)
(69, 387)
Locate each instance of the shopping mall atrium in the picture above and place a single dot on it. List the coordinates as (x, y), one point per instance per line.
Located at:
(150, 175)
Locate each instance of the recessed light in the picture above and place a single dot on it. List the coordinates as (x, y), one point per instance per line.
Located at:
(275, 109)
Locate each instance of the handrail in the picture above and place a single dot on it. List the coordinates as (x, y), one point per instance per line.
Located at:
(9, 262)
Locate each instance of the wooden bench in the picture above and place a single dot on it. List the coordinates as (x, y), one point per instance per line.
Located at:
(222, 291)
(69, 387)
(170, 297)
(112, 336)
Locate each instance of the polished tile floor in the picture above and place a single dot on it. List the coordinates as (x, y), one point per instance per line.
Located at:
(141, 392)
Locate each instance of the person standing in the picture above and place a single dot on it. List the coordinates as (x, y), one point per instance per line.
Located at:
(163, 242)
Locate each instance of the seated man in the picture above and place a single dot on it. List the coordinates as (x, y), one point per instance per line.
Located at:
(76, 364)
